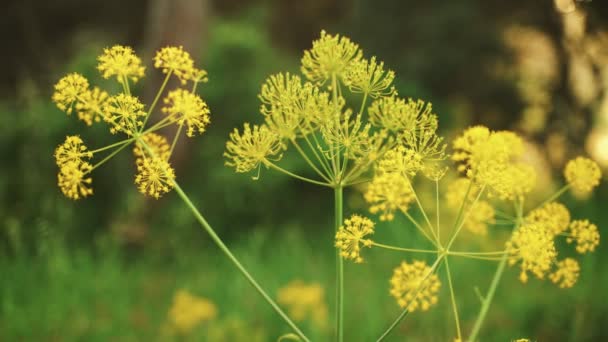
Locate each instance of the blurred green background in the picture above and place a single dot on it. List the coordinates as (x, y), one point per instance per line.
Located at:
(107, 267)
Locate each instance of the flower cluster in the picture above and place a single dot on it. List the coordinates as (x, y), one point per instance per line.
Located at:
(188, 311)
(304, 301)
(414, 286)
(125, 114)
(352, 235)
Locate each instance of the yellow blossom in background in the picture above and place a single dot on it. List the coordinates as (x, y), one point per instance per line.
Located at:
(73, 179)
(68, 91)
(583, 174)
(553, 217)
(566, 274)
(585, 234)
(120, 61)
(188, 109)
(175, 60)
(351, 234)
(479, 214)
(154, 177)
(329, 56)
(246, 151)
(90, 107)
(408, 279)
(72, 150)
(158, 145)
(369, 77)
(124, 114)
(533, 248)
(304, 301)
(387, 193)
(188, 311)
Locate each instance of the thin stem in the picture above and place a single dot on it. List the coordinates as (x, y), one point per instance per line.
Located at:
(126, 141)
(406, 310)
(422, 231)
(199, 217)
(310, 163)
(338, 209)
(280, 169)
(108, 157)
(478, 253)
(426, 218)
(487, 258)
(322, 160)
(437, 210)
(487, 300)
(160, 92)
(179, 130)
(363, 103)
(401, 249)
(464, 219)
(126, 85)
(557, 194)
(454, 306)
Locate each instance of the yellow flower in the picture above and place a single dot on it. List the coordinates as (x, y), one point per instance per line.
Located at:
(585, 234)
(351, 234)
(513, 181)
(369, 77)
(553, 217)
(157, 143)
(72, 150)
(414, 287)
(583, 174)
(155, 177)
(397, 114)
(177, 61)
(120, 61)
(304, 301)
(387, 193)
(123, 113)
(350, 135)
(188, 311)
(533, 246)
(90, 107)
(68, 91)
(248, 150)
(187, 108)
(401, 160)
(73, 180)
(329, 56)
(566, 274)
(479, 215)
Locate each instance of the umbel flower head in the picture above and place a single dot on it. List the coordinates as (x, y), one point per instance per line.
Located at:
(369, 77)
(351, 234)
(387, 193)
(68, 91)
(399, 115)
(414, 286)
(566, 274)
(330, 56)
(583, 174)
(553, 217)
(188, 311)
(533, 248)
(120, 61)
(123, 112)
(188, 109)
(246, 151)
(585, 234)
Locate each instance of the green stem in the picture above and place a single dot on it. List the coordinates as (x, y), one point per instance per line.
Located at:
(453, 297)
(179, 130)
(160, 92)
(126, 141)
(338, 208)
(199, 217)
(108, 157)
(406, 310)
(310, 163)
(280, 169)
(555, 195)
(400, 249)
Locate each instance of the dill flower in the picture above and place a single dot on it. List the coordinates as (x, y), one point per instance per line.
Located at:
(304, 301)
(90, 107)
(154, 177)
(123, 113)
(409, 279)
(553, 217)
(369, 77)
(285, 101)
(188, 311)
(583, 174)
(68, 91)
(533, 246)
(387, 193)
(397, 114)
(350, 135)
(329, 56)
(72, 150)
(585, 234)
(187, 108)
(401, 160)
(158, 145)
(73, 180)
(512, 181)
(177, 61)
(566, 274)
(351, 234)
(120, 61)
(246, 151)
